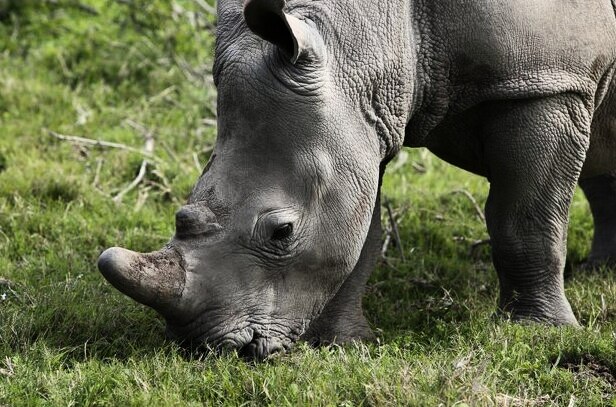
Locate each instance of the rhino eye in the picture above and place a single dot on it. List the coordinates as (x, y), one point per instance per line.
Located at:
(282, 232)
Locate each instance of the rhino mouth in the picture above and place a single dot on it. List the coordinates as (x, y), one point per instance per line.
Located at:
(260, 348)
(251, 341)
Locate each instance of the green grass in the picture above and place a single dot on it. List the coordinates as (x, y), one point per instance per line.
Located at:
(68, 338)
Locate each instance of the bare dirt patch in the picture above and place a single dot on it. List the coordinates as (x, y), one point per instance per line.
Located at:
(588, 364)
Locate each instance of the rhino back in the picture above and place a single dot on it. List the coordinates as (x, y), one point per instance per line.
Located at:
(479, 51)
(508, 43)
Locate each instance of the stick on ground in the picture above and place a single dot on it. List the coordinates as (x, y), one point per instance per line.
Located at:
(473, 201)
(101, 143)
(476, 245)
(149, 149)
(394, 229)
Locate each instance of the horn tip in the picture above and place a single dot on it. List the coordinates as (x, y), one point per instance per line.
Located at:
(112, 261)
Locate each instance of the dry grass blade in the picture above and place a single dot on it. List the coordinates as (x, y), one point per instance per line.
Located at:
(101, 144)
(97, 173)
(394, 229)
(195, 157)
(386, 243)
(476, 245)
(473, 201)
(206, 7)
(148, 148)
(77, 5)
(210, 122)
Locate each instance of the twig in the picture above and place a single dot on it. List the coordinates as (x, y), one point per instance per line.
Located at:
(97, 174)
(10, 370)
(141, 198)
(132, 185)
(139, 127)
(163, 179)
(419, 167)
(170, 151)
(148, 148)
(473, 201)
(6, 240)
(100, 143)
(207, 149)
(477, 244)
(11, 286)
(196, 160)
(196, 75)
(210, 122)
(85, 8)
(571, 401)
(386, 242)
(206, 7)
(394, 229)
(161, 95)
(79, 6)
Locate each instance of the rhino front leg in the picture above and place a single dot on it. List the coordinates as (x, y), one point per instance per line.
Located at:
(535, 150)
(342, 319)
(601, 194)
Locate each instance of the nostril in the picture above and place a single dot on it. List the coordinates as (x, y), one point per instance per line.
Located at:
(249, 351)
(274, 349)
(260, 349)
(184, 218)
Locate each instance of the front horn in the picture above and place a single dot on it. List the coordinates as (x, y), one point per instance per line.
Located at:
(155, 279)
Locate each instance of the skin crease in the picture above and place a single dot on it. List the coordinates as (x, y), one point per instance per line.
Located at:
(281, 231)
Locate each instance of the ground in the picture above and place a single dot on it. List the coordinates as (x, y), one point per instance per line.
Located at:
(124, 71)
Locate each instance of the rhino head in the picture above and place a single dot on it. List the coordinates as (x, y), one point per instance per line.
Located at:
(277, 221)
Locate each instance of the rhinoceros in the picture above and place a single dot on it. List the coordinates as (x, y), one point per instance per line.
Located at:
(282, 229)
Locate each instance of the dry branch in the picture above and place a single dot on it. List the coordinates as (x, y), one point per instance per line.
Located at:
(210, 122)
(473, 201)
(97, 174)
(132, 185)
(77, 5)
(206, 7)
(164, 185)
(394, 229)
(386, 242)
(149, 149)
(100, 144)
(476, 245)
(195, 157)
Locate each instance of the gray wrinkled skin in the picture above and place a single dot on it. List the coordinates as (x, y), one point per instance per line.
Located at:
(281, 231)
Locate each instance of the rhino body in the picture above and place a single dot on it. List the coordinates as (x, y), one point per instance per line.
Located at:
(282, 230)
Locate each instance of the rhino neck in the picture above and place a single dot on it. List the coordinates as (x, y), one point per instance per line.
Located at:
(379, 71)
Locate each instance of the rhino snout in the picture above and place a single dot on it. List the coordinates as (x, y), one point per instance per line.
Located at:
(155, 279)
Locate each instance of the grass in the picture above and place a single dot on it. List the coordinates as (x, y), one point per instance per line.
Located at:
(96, 68)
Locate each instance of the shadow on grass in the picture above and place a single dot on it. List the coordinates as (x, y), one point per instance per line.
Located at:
(427, 298)
(80, 329)
(429, 302)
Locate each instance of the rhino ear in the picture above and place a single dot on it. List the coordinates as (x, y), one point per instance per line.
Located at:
(267, 19)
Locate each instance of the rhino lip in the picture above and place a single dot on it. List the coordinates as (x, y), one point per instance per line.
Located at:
(249, 342)
(256, 347)
(259, 348)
